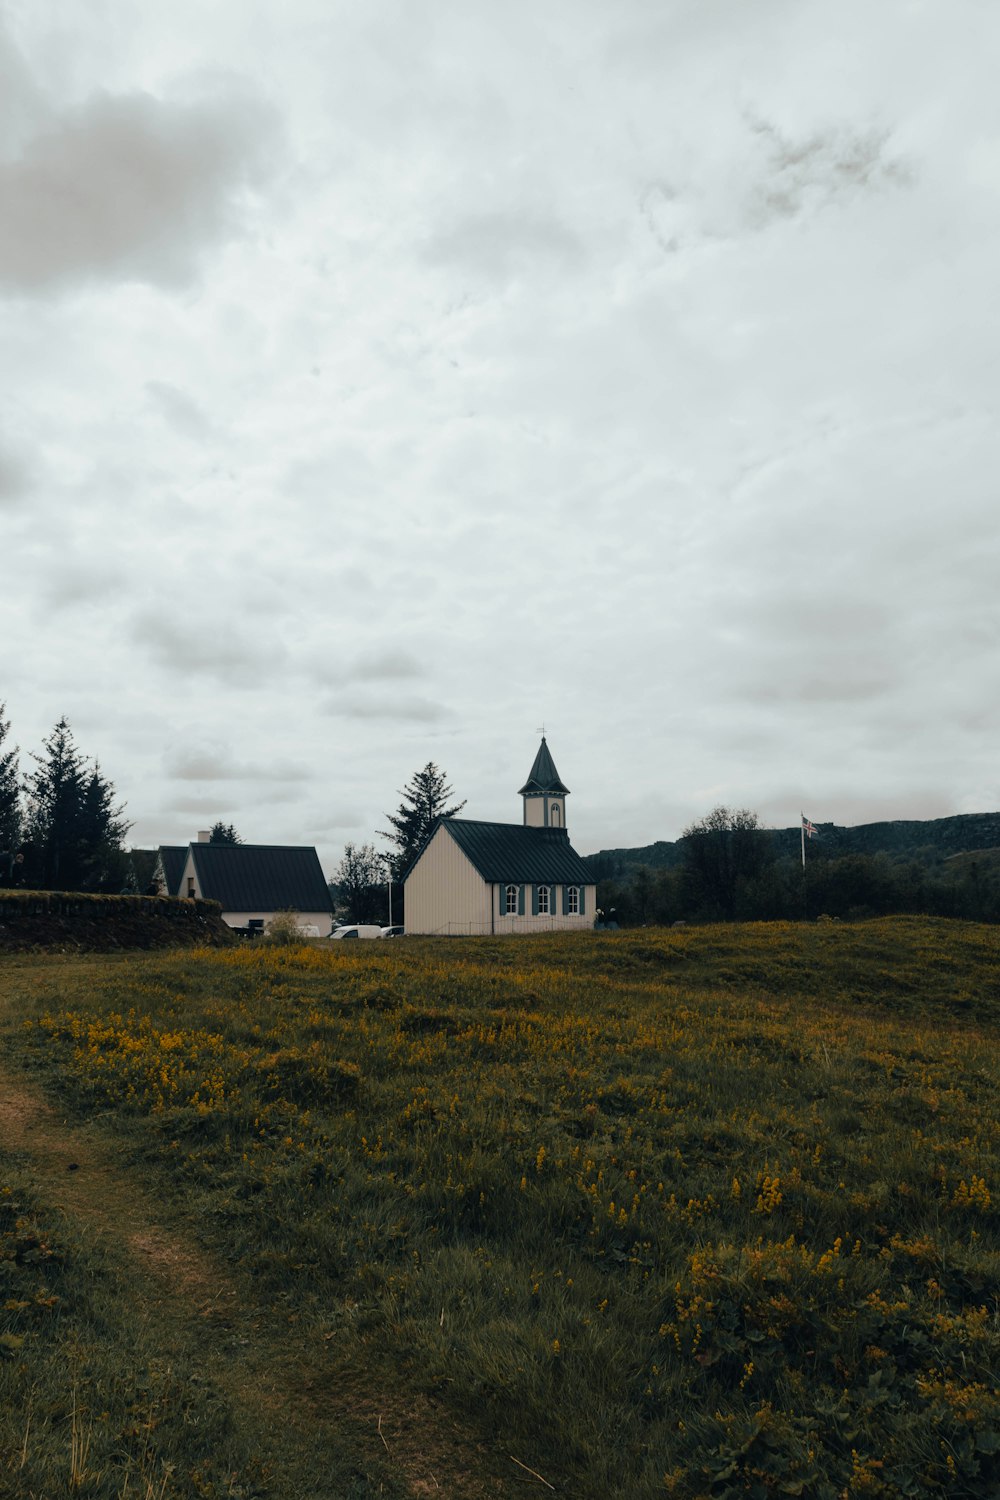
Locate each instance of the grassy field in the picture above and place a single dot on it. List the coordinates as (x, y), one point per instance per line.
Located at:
(702, 1212)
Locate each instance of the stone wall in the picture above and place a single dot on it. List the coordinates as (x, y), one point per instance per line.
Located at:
(71, 920)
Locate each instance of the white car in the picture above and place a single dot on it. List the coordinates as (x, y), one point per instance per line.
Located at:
(391, 932)
(356, 930)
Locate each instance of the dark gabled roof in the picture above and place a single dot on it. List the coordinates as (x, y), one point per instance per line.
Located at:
(173, 857)
(543, 776)
(509, 851)
(261, 877)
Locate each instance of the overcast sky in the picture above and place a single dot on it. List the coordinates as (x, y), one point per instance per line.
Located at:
(382, 380)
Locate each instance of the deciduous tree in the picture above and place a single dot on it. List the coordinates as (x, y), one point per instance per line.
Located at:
(723, 852)
(359, 881)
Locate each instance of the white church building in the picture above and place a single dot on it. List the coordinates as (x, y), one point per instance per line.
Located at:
(480, 878)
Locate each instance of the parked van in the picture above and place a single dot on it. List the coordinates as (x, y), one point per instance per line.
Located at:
(357, 930)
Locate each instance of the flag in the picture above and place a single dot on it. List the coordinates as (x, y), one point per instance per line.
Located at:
(809, 829)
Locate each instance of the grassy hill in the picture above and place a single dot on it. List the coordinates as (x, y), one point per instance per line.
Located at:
(700, 1213)
(930, 840)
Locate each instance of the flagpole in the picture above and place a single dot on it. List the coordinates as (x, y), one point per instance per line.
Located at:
(802, 827)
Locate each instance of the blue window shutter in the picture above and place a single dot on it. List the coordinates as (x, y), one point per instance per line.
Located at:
(565, 891)
(583, 900)
(534, 901)
(520, 900)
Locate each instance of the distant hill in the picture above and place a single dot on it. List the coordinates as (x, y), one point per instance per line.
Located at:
(929, 840)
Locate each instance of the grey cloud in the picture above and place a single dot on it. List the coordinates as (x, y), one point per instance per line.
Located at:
(198, 765)
(500, 245)
(128, 187)
(392, 665)
(88, 583)
(816, 620)
(400, 710)
(389, 664)
(179, 409)
(337, 821)
(818, 168)
(207, 648)
(207, 805)
(844, 682)
(20, 101)
(14, 479)
(781, 177)
(213, 763)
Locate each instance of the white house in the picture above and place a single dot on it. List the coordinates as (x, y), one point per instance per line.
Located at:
(250, 881)
(524, 877)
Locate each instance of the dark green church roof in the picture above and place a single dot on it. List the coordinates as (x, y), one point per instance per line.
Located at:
(510, 852)
(543, 776)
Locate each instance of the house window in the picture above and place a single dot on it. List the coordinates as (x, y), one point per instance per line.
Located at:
(190, 887)
(573, 901)
(543, 900)
(510, 901)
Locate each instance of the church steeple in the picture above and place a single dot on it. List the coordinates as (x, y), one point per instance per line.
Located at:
(544, 794)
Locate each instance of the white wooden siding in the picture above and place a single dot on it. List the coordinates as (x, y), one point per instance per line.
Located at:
(538, 812)
(189, 871)
(446, 894)
(554, 921)
(321, 920)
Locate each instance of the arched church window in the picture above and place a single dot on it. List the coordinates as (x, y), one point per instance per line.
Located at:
(510, 901)
(573, 900)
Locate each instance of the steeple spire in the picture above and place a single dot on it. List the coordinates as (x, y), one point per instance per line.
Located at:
(543, 792)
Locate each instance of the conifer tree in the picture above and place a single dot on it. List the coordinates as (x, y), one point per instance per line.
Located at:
(425, 797)
(103, 863)
(10, 792)
(224, 833)
(74, 829)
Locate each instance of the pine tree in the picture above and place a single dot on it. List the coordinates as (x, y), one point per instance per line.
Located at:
(426, 795)
(74, 828)
(103, 861)
(55, 794)
(10, 794)
(224, 833)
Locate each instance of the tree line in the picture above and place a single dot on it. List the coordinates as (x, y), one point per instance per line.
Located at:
(61, 827)
(729, 871)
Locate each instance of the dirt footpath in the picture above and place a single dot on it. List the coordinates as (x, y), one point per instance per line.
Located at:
(260, 1365)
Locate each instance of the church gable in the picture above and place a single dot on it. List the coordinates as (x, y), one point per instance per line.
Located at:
(444, 891)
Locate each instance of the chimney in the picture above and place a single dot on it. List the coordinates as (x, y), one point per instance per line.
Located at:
(204, 836)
